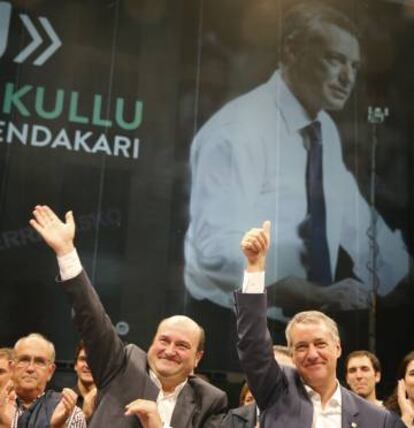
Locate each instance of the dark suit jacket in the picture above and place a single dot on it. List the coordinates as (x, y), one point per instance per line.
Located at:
(121, 373)
(279, 393)
(241, 417)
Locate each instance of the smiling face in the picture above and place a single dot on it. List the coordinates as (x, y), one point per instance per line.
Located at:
(82, 369)
(361, 376)
(315, 354)
(173, 354)
(409, 380)
(321, 71)
(32, 368)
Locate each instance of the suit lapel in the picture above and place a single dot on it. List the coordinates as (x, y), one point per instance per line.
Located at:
(184, 408)
(306, 406)
(151, 391)
(349, 410)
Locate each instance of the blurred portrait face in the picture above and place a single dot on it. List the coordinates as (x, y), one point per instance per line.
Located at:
(32, 368)
(173, 353)
(315, 353)
(82, 369)
(324, 70)
(5, 371)
(361, 376)
(409, 380)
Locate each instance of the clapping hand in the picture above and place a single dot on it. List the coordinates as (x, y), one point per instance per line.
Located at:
(407, 409)
(64, 408)
(7, 405)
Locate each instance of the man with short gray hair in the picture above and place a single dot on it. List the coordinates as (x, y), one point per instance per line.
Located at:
(24, 400)
(311, 317)
(309, 395)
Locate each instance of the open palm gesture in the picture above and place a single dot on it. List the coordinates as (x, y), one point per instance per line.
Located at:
(57, 234)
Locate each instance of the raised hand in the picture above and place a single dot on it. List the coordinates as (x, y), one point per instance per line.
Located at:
(58, 235)
(7, 405)
(64, 408)
(146, 411)
(255, 245)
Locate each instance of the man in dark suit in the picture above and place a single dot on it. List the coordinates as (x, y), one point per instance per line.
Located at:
(155, 389)
(308, 396)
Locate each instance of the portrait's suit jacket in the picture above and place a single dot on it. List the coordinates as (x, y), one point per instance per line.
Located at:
(241, 417)
(121, 372)
(279, 393)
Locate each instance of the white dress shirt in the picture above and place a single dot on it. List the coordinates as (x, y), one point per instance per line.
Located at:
(248, 164)
(329, 416)
(166, 402)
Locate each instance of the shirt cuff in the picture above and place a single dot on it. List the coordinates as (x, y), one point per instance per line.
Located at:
(69, 265)
(253, 282)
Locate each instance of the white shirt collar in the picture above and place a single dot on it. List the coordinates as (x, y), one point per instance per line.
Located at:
(157, 382)
(334, 401)
(290, 107)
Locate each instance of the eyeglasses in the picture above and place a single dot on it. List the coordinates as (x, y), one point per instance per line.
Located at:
(26, 360)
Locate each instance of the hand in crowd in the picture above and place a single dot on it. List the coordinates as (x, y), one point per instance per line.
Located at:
(57, 234)
(7, 405)
(146, 411)
(406, 408)
(89, 403)
(64, 408)
(255, 245)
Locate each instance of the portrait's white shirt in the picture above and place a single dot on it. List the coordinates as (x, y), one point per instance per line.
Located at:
(248, 164)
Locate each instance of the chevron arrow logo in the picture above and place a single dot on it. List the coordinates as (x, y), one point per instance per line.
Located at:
(5, 12)
(37, 41)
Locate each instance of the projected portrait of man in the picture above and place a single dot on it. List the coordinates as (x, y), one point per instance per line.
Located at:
(275, 153)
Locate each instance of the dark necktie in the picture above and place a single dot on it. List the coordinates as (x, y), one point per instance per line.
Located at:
(318, 257)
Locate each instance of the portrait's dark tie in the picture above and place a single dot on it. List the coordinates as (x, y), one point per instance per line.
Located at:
(319, 266)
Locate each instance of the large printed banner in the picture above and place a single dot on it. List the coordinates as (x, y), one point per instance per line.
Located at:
(171, 128)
